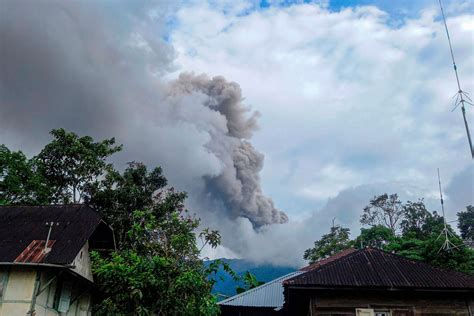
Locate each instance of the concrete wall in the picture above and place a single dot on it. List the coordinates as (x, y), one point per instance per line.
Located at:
(21, 282)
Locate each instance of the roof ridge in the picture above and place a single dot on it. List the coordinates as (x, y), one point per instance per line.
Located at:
(326, 265)
(420, 262)
(330, 263)
(250, 291)
(377, 267)
(341, 254)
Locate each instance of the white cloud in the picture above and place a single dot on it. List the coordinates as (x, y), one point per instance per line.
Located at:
(347, 101)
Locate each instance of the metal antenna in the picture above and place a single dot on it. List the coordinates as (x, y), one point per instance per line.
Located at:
(50, 225)
(461, 96)
(445, 233)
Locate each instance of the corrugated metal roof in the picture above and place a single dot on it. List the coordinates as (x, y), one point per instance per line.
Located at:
(269, 294)
(321, 262)
(35, 252)
(379, 269)
(21, 225)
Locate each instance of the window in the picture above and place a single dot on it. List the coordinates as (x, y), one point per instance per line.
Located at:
(364, 312)
(62, 296)
(382, 313)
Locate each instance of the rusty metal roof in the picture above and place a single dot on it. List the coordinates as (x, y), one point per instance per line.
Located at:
(23, 232)
(374, 268)
(35, 252)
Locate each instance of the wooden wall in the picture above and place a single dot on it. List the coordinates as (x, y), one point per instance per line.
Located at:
(398, 303)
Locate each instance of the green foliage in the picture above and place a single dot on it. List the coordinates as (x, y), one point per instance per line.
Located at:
(250, 281)
(466, 223)
(120, 194)
(71, 165)
(415, 218)
(160, 273)
(377, 237)
(383, 210)
(333, 242)
(19, 181)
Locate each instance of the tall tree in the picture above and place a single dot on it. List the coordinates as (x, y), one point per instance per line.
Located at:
(466, 223)
(415, 218)
(118, 195)
(383, 210)
(71, 164)
(19, 181)
(376, 236)
(160, 274)
(336, 240)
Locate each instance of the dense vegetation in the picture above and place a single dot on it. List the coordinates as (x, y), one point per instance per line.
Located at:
(156, 268)
(407, 229)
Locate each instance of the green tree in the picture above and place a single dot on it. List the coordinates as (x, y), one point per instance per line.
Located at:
(71, 165)
(377, 237)
(160, 274)
(466, 223)
(416, 218)
(19, 181)
(118, 195)
(383, 210)
(329, 244)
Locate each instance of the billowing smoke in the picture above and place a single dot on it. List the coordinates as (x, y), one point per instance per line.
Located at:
(97, 69)
(238, 184)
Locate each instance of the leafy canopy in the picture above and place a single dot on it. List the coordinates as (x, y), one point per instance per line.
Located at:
(72, 165)
(466, 223)
(335, 241)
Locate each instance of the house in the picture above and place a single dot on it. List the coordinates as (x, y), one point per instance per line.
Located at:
(267, 299)
(371, 282)
(45, 266)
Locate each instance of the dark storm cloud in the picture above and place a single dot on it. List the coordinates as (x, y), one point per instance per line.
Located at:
(96, 69)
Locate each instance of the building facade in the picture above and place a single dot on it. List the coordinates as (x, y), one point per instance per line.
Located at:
(45, 266)
(371, 282)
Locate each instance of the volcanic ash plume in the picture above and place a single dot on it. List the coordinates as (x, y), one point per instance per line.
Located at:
(100, 70)
(238, 184)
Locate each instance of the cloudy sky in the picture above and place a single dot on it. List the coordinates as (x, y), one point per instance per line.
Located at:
(324, 103)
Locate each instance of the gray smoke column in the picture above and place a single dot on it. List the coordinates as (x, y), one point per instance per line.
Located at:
(238, 184)
(97, 68)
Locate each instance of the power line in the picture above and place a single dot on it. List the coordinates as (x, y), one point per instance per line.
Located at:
(461, 96)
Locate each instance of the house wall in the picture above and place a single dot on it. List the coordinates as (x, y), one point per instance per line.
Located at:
(82, 263)
(398, 304)
(20, 284)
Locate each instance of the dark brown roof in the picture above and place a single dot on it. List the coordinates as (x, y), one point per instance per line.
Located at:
(23, 230)
(327, 260)
(373, 268)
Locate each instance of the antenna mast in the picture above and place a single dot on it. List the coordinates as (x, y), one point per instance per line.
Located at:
(445, 233)
(461, 96)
